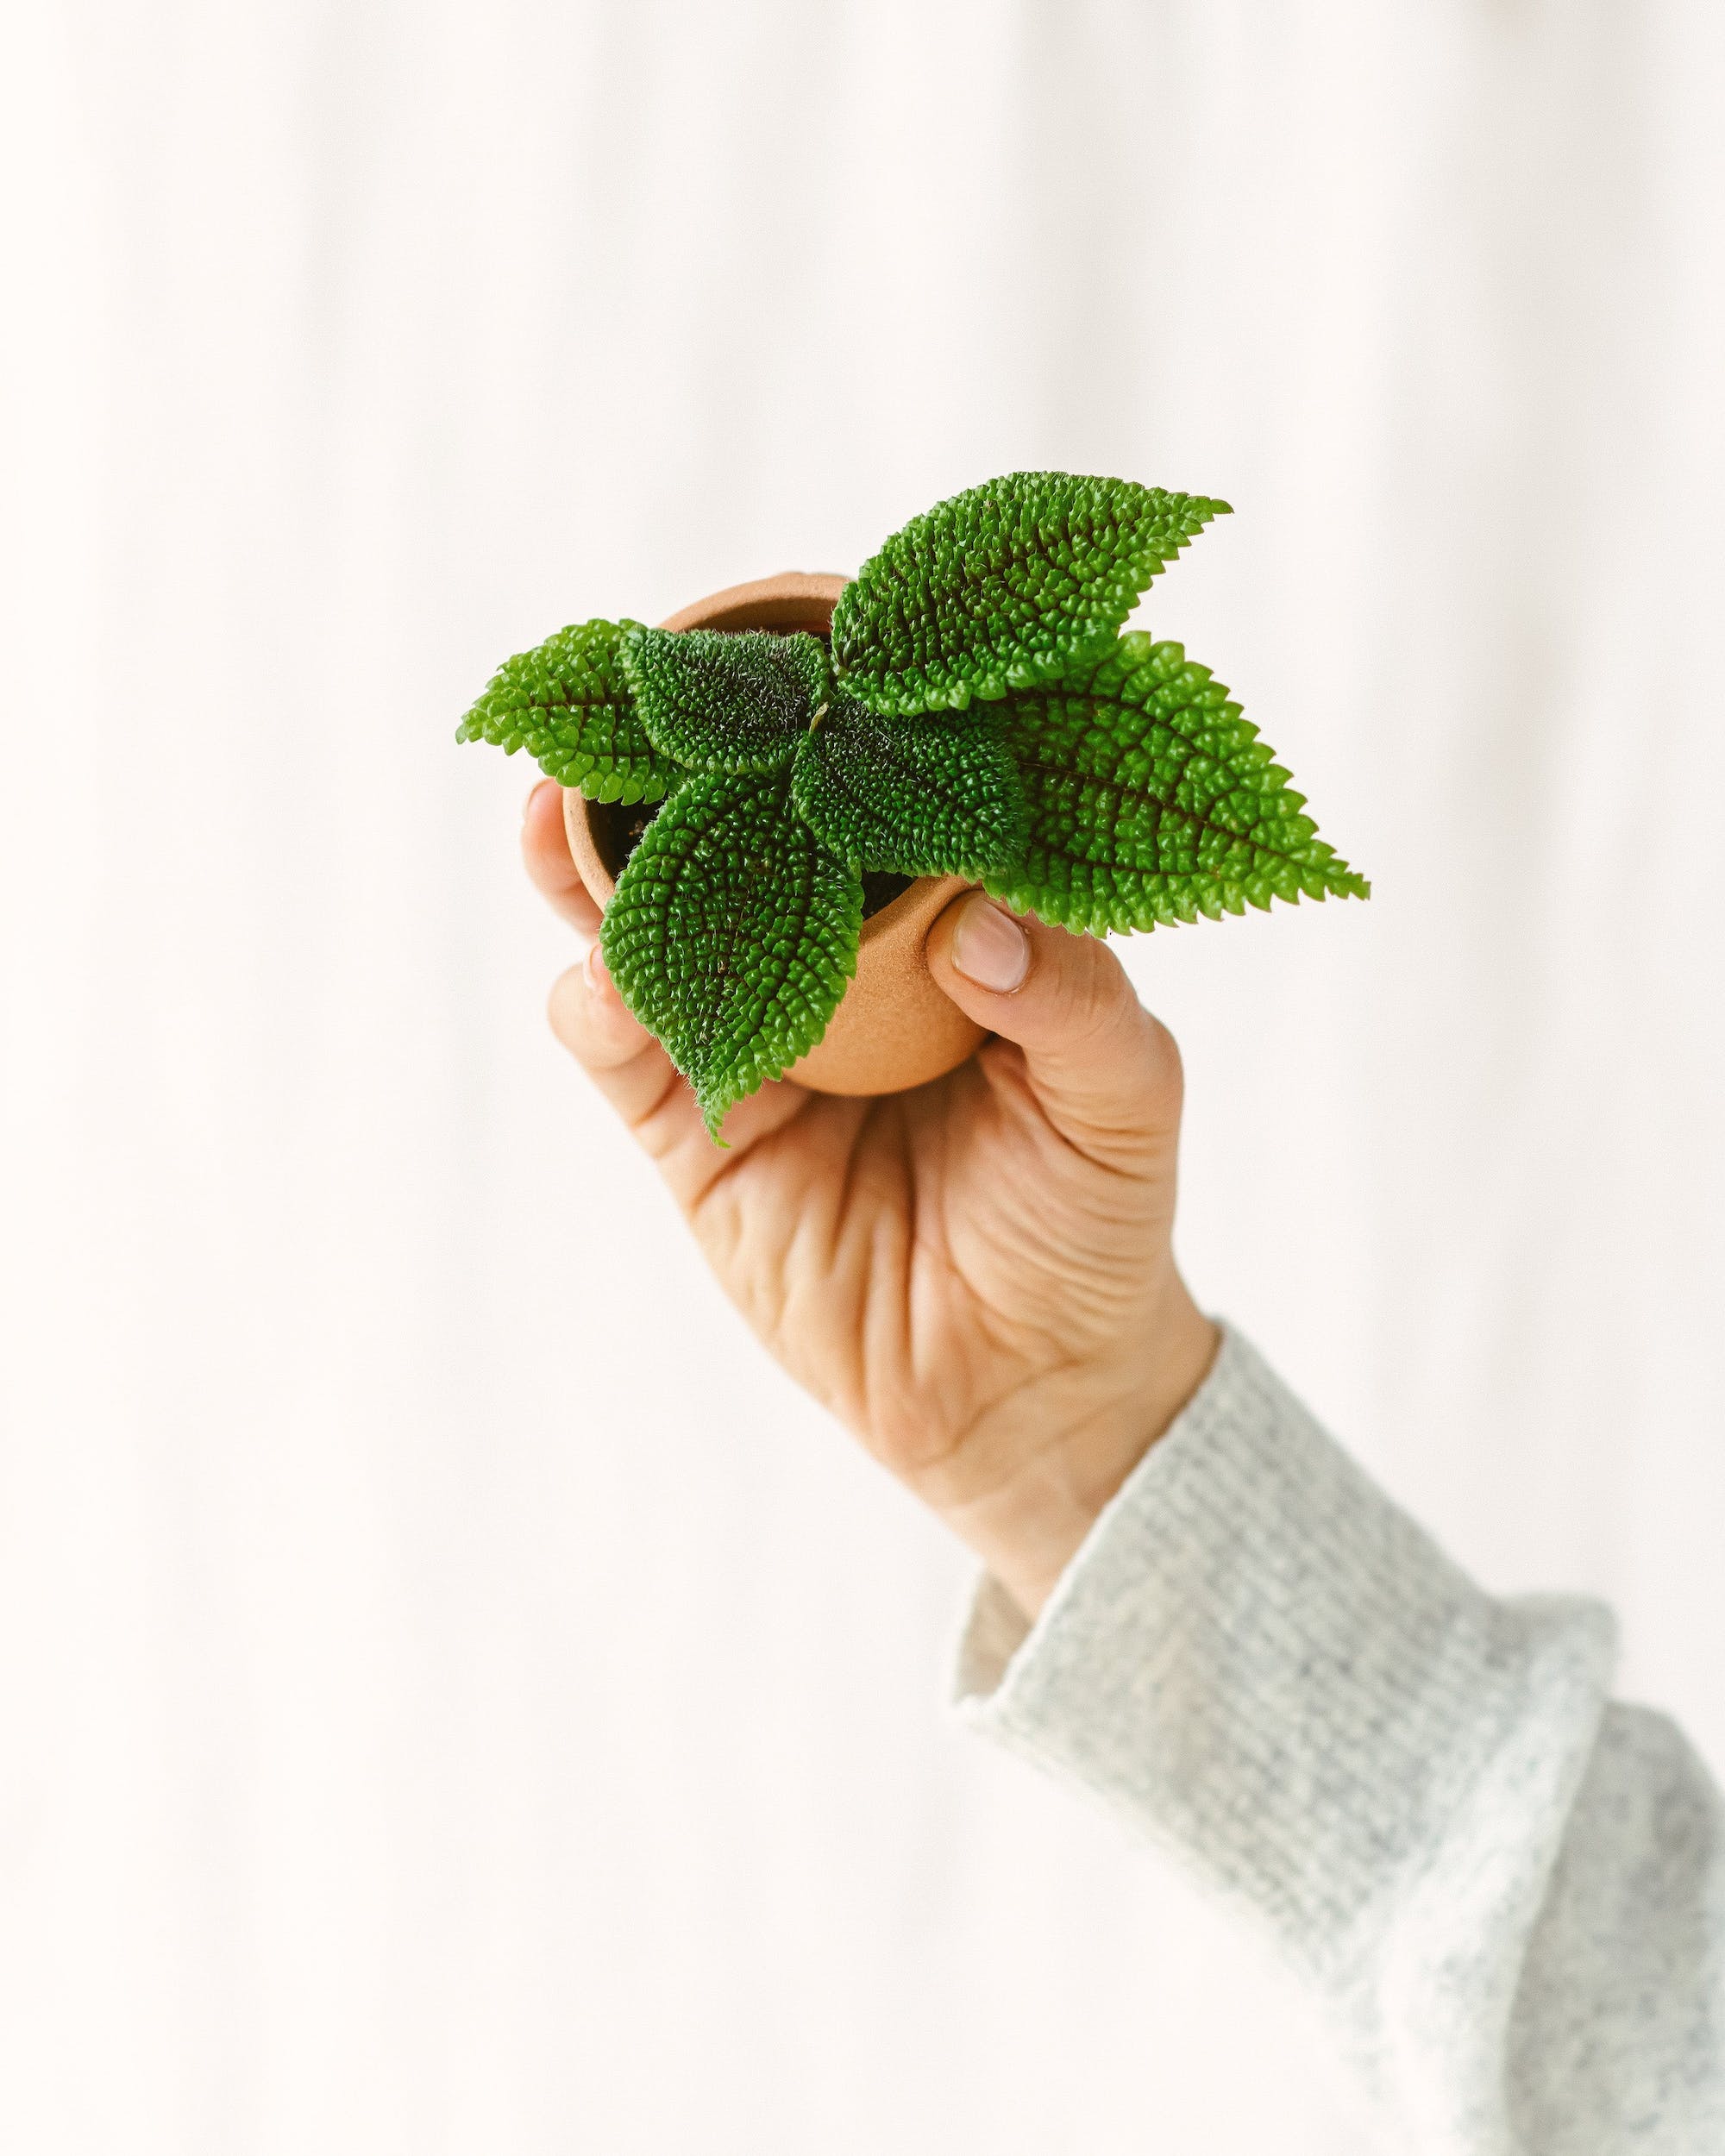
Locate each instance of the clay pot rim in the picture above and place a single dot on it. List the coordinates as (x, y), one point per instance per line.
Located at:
(893, 1028)
(797, 596)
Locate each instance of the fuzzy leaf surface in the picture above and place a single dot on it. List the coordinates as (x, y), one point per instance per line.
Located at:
(569, 703)
(717, 700)
(733, 934)
(1005, 587)
(918, 796)
(1151, 800)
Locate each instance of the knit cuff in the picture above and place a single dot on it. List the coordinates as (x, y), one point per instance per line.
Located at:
(1266, 1666)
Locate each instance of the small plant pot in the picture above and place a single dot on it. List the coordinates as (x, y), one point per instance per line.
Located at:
(893, 1028)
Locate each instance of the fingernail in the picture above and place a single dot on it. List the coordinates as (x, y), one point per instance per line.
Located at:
(593, 966)
(989, 948)
(533, 793)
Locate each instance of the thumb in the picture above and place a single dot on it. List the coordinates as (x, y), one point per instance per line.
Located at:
(1103, 1070)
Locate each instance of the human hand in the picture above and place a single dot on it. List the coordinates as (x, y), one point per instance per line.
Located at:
(975, 1275)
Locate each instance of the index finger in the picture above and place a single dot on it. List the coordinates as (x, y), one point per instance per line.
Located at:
(633, 1073)
(545, 850)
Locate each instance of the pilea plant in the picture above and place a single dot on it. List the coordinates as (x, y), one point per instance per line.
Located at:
(975, 712)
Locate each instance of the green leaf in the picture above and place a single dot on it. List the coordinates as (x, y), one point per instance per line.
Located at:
(733, 934)
(920, 797)
(1152, 799)
(568, 702)
(719, 700)
(1005, 587)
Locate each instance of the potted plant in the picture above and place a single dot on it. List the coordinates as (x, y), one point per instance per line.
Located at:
(773, 794)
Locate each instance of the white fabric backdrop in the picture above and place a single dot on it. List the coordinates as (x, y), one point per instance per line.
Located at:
(456, 1695)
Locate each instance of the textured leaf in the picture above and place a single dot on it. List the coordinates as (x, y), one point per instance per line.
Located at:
(1005, 587)
(568, 702)
(921, 797)
(733, 934)
(719, 700)
(1152, 799)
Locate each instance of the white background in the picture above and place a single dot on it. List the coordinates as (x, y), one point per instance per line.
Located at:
(456, 1695)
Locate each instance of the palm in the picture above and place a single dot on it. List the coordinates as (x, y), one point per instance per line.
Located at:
(935, 1265)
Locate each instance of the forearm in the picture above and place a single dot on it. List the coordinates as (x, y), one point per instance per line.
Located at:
(1509, 1893)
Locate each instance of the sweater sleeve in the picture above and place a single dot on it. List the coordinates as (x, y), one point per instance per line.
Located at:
(1508, 1890)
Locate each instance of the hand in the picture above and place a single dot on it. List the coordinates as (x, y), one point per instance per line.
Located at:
(974, 1276)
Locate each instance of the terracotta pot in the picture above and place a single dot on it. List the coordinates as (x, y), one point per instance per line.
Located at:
(895, 1028)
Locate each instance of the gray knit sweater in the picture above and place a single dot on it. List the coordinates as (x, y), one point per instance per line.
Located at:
(1508, 1888)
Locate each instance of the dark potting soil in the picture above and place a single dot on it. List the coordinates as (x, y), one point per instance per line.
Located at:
(617, 831)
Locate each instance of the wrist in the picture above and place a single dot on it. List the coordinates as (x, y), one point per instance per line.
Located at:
(1027, 1530)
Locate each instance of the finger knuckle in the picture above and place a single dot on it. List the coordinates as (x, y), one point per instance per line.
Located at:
(1092, 994)
(563, 1006)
